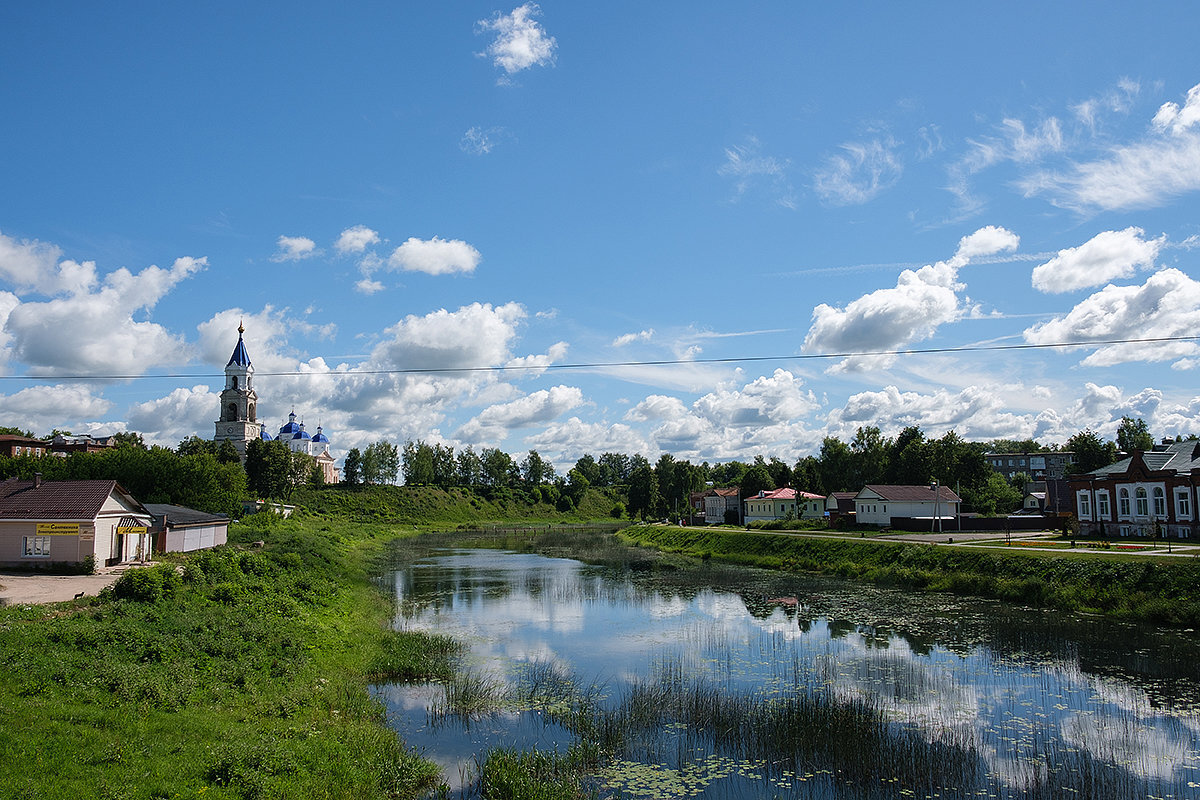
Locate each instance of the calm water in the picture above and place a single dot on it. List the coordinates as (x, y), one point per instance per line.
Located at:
(740, 683)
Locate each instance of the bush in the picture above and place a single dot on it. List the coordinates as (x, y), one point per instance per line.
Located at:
(148, 584)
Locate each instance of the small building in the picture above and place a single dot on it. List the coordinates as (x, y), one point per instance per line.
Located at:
(65, 522)
(718, 502)
(64, 445)
(840, 505)
(772, 505)
(14, 446)
(879, 504)
(696, 507)
(179, 529)
(812, 506)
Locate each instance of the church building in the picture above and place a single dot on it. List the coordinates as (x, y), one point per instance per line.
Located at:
(239, 423)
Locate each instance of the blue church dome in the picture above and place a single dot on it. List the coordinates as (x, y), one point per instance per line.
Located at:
(320, 437)
(266, 437)
(290, 428)
(240, 357)
(301, 433)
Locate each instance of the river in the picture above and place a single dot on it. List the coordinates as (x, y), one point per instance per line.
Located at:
(720, 682)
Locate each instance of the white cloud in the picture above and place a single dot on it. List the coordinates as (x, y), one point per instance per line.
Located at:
(435, 256)
(1143, 174)
(520, 43)
(748, 168)
(294, 248)
(494, 423)
(43, 408)
(630, 338)
(1014, 143)
(860, 173)
(1166, 305)
(265, 336)
(167, 421)
(95, 334)
(566, 442)
(481, 141)
(474, 336)
(1104, 257)
(356, 239)
(888, 319)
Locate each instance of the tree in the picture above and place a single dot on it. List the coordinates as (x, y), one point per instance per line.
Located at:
(227, 453)
(615, 468)
(1091, 452)
(128, 439)
(352, 468)
(417, 462)
(643, 491)
(499, 469)
(908, 458)
(194, 445)
(576, 486)
(757, 479)
(385, 461)
(8, 431)
(836, 467)
(533, 469)
(588, 467)
(469, 467)
(781, 473)
(994, 496)
(806, 476)
(270, 470)
(444, 469)
(868, 452)
(1133, 434)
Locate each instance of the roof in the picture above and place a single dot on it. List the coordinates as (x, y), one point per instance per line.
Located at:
(775, 494)
(912, 494)
(58, 499)
(1177, 457)
(730, 492)
(8, 437)
(240, 357)
(182, 515)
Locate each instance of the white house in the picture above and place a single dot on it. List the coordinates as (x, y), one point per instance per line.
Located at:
(718, 501)
(65, 522)
(878, 505)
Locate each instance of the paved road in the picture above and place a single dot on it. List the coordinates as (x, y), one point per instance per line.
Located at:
(22, 588)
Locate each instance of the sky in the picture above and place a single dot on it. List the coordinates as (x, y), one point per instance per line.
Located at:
(710, 230)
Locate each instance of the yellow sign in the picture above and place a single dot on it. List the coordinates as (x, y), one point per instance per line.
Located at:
(133, 529)
(58, 529)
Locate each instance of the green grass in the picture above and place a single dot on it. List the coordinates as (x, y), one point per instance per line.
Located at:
(236, 673)
(1162, 591)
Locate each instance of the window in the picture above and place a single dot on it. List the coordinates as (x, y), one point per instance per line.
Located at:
(1183, 505)
(37, 546)
(1123, 502)
(1124, 530)
(1102, 504)
(1160, 502)
(1085, 506)
(1140, 502)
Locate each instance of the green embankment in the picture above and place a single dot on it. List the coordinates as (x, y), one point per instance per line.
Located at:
(1159, 590)
(238, 673)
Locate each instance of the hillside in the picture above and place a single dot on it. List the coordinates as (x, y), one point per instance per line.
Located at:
(429, 505)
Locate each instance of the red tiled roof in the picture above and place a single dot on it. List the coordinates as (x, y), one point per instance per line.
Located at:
(56, 499)
(730, 492)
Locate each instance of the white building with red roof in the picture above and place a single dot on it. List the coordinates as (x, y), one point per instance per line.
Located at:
(766, 506)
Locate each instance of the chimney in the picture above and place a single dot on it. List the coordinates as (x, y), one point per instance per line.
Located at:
(37, 479)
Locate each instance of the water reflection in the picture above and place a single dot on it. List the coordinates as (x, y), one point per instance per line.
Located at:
(940, 696)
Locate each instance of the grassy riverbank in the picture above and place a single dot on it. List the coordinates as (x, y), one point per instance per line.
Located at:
(1157, 590)
(241, 674)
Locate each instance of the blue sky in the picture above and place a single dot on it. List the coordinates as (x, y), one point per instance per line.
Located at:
(761, 197)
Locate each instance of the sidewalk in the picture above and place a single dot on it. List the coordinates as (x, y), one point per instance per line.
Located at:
(25, 588)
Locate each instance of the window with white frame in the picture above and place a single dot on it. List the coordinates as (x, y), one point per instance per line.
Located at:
(1123, 502)
(37, 546)
(1085, 506)
(1141, 502)
(1183, 504)
(1160, 503)
(1102, 504)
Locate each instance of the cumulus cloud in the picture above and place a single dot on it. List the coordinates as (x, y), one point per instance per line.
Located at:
(1166, 305)
(521, 42)
(630, 338)
(749, 168)
(887, 319)
(435, 256)
(1104, 257)
(494, 423)
(859, 173)
(185, 412)
(95, 333)
(566, 442)
(356, 239)
(1142, 174)
(294, 248)
(33, 266)
(266, 334)
(43, 408)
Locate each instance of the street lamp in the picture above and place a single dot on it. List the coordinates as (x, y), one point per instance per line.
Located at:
(937, 515)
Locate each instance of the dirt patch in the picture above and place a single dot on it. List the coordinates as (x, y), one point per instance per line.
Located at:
(24, 588)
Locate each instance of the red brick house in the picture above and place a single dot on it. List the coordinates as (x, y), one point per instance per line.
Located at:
(1148, 494)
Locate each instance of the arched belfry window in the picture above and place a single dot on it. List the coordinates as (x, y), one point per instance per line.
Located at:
(252, 418)
(235, 381)
(232, 412)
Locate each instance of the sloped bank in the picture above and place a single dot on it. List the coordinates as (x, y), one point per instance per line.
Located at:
(1160, 591)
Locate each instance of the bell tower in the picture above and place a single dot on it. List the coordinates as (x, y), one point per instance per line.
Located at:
(238, 419)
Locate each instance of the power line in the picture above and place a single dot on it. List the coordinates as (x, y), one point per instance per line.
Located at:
(616, 364)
